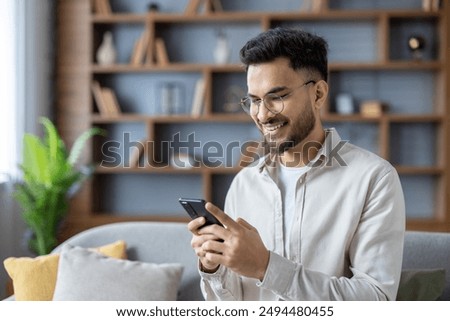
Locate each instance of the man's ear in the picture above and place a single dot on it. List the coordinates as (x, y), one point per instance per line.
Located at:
(320, 94)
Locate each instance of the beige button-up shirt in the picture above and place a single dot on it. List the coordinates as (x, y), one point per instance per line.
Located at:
(346, 242)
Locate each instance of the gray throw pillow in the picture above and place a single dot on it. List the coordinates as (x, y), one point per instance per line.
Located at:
(84, 275)
(421, 285)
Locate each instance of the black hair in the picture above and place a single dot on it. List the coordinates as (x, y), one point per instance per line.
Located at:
(303, 49)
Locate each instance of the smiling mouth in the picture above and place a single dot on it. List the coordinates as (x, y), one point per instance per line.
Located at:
(272, 128)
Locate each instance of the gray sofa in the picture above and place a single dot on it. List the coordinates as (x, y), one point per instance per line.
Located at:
(170, 243)
(428, 250)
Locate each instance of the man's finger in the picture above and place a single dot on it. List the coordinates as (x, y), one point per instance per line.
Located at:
(196, 224)
(223, 218)
(245, 224)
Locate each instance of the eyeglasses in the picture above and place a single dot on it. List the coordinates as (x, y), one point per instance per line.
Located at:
(273, 102)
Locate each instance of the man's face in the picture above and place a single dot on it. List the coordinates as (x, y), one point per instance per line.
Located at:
(297, 120)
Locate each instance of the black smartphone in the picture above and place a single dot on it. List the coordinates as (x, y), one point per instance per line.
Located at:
(195, 207)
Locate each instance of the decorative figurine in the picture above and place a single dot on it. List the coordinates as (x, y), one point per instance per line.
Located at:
(153, 7)
(222, 50)
(344, 104)
(416, 44)
(106, 53)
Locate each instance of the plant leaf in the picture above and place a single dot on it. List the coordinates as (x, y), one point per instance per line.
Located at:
(79, 144)
(35, 159)
(52, 137)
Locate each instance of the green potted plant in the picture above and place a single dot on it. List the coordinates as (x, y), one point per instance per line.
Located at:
(50, 176)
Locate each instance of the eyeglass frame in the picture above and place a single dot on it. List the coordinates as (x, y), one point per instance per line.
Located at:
(273, 95)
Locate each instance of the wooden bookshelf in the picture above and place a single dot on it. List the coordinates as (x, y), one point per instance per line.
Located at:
(78, 37)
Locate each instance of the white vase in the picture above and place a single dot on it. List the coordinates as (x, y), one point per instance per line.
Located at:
(106, 53)
(222, 50)
(344, 104)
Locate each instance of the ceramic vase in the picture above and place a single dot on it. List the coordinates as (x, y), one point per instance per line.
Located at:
(222, 49)
(106, 53)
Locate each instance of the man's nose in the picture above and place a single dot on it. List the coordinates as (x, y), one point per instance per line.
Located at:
(264, 114)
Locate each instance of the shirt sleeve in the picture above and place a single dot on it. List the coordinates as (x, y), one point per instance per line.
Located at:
(222, 285)
(375, 255)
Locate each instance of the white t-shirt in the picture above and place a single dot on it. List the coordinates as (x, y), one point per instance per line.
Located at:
(287, 182)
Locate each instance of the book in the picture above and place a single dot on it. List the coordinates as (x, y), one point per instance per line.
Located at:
(199, 97)
(156, 52)
(426, 5)
(192, 7)
(110, 99)
(161, 53)
(105, 6)
(98, 9)
(136, 153)
(102, 7)
(105, 99)
(137, 51)
(216, 5)
(99, 98)
(207, 6)
(318, 5)
(313, 5)
(140, 48)
(435, 5)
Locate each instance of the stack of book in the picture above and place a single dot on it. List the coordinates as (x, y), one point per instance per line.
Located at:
(106, 100)
(149, 52)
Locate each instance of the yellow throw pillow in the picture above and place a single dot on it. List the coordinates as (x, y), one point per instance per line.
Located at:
(34, 279)
(116, 250)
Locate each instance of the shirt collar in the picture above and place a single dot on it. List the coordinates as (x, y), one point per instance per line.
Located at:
(332, 139)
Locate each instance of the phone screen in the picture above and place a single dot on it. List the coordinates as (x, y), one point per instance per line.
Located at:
(196, 207)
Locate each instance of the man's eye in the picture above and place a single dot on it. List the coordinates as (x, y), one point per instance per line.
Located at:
(280, 97)
(256, 101)
(274, 98)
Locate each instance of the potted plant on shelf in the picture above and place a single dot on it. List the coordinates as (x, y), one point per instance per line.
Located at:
(50, 177)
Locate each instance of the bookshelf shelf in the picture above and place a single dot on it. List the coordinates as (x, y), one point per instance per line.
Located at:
(257, 16)
(100, 119)
(167, 170)
(419, 170)
(229, 68)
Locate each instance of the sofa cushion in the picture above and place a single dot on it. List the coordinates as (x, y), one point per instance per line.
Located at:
(34, 278)
(88, 276)
(421, 285)
(152, 242)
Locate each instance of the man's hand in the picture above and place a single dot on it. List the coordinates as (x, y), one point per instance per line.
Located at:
(197, 243)
(237, 245)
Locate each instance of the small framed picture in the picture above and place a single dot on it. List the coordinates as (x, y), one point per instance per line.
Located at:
(372, 108)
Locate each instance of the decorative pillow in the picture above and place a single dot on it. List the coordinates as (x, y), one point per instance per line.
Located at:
(87, 276)
(421, 285)
(34, 278)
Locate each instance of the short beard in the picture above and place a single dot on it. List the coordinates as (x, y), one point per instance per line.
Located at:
(300, 130)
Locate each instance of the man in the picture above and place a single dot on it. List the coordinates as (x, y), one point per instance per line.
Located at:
(317, 218)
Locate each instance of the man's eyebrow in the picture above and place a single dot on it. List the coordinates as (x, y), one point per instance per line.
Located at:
(273, 90)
